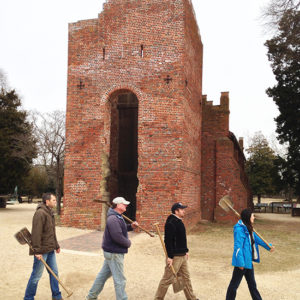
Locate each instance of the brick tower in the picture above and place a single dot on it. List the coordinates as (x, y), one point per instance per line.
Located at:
(134, 106)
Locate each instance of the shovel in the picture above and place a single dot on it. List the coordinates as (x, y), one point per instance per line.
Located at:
(24, 237)
(227, 204)
(178, 284)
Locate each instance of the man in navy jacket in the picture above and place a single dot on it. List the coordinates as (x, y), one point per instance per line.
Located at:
(176, 245)
(115, 244)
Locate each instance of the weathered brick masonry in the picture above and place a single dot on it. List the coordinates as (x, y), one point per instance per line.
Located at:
(222, 165)
(135, 94)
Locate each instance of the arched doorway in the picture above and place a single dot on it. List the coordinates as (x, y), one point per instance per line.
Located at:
(123, 180)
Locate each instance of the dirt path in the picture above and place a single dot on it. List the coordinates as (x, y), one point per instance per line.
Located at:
(210, 259)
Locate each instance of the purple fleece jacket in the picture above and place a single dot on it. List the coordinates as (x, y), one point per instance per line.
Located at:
(115, 238)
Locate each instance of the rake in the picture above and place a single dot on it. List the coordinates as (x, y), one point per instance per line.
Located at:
(24, 237)
(227, 204)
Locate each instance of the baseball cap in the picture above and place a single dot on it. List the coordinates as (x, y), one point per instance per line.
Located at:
(120, 200)
(177, 205)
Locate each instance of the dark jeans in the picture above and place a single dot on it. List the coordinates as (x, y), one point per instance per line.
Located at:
(36, 275)
(236, 279)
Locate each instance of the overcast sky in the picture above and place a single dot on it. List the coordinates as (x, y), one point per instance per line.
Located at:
(33, 54)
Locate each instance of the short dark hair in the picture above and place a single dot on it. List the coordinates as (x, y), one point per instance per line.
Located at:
(113, 205)
(46, 196)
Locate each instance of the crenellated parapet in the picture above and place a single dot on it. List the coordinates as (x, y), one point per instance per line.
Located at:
(223, 161)
(216, 117)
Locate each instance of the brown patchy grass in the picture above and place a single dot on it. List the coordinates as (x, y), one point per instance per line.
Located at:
(283, 232)
(285, 236)
(210, 244)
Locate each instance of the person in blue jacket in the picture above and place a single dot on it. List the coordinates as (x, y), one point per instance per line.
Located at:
(245, 251)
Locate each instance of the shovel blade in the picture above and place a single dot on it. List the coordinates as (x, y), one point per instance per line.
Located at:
(178, 285)
(23, 236)
(226, 203)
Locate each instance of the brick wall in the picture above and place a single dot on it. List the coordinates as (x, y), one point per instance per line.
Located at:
(222, 163)
(135, 46)
(151, 49)
(191, 130)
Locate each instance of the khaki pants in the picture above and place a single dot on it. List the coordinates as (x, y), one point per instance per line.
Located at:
(181, 269)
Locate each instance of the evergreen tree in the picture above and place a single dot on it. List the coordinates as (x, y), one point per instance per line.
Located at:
(285, 181)
(17, 145)
(284, 54)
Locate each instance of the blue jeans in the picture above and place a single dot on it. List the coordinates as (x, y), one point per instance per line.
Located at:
(113, 266)
(37, 271)
(237, 277)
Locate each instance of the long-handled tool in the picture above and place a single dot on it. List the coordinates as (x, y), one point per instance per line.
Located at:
(24, 237)
(125, 217)
(178, 284)
(227, 205)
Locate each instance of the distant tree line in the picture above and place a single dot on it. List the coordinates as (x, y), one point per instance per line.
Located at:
(32, 148)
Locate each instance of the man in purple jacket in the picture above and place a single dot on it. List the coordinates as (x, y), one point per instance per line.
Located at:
(115, 244)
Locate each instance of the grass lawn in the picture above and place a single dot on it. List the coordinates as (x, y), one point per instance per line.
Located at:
(283, 232)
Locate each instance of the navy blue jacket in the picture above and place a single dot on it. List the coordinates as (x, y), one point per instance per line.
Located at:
(242, 253)
(115, 238)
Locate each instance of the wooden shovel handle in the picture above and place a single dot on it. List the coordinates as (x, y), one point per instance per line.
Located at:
(145, 230)
(70, 293)
(238, 215)
(50, 270)
(126, 218)
(164, 247)
(262, 238)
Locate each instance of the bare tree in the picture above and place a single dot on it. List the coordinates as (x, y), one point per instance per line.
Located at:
(273, 12)
(279, 149)
(23, 144)
(49, 131)
(3, 80)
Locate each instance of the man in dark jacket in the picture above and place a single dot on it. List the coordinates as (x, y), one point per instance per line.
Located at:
(115, 244)
(45, 245)
(176, 245)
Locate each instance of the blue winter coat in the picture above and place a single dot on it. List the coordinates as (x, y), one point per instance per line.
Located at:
(242, 253)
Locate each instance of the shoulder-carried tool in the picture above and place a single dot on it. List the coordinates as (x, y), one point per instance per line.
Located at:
(125, 217)
(227, 204)
(178, 284)
(24, 237)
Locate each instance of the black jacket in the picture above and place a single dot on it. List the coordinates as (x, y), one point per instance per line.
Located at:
(175, 237)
